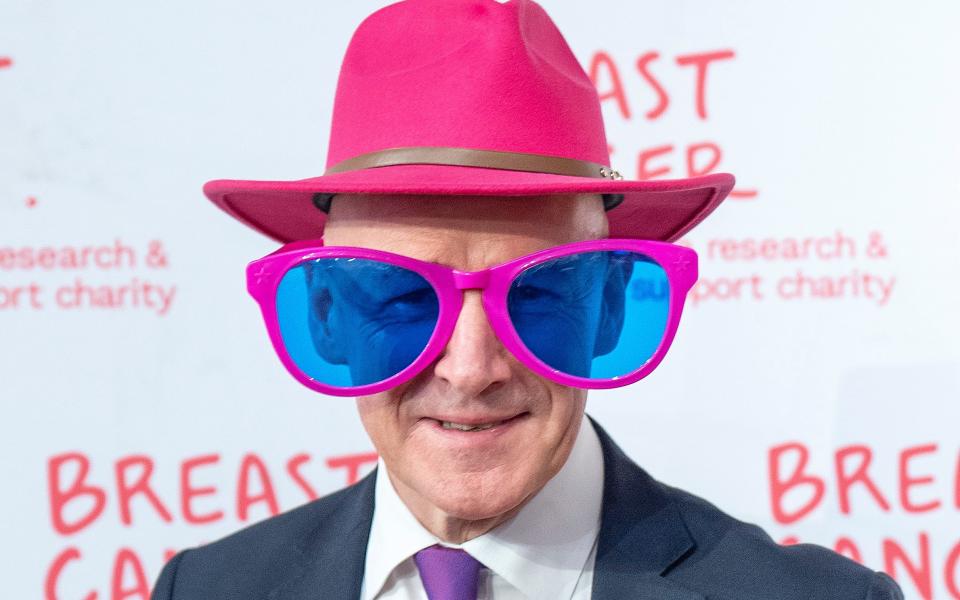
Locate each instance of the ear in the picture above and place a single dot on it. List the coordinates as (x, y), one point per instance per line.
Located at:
(320, 309)
(612, 309)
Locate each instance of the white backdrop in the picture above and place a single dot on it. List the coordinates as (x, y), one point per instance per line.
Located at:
(813, 387)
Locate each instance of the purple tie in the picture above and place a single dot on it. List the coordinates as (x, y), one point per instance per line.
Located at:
(448, 573)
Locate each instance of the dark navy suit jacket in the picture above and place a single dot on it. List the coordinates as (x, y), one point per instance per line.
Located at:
(656, 542)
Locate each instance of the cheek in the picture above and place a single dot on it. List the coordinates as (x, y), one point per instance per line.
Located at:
(563, 422)
(559, 432)
(380, 418)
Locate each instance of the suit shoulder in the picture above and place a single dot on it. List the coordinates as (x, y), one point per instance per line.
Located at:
(252, 561)
(280, 530)
(734, 559)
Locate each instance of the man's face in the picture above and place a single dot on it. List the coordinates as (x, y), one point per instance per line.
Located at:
(470, 475)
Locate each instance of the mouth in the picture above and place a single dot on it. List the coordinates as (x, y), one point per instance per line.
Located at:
(463, 426)
(469, 427)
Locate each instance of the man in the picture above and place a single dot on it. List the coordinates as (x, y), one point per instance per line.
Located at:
(481, 267)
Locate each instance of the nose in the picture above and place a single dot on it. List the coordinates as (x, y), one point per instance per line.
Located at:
(474, 358)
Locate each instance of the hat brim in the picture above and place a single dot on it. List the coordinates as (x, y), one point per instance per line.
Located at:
(656, 209)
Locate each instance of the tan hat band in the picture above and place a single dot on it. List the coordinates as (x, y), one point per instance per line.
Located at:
(471, 157)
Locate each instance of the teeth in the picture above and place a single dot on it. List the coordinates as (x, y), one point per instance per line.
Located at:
(463, 427)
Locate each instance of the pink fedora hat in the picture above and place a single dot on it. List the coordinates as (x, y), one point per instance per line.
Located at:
(467, 97)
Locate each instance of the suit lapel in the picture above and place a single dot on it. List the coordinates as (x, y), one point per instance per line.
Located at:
(332, 555)
(641, 533)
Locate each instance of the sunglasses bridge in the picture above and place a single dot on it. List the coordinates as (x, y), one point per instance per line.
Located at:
(466, 280)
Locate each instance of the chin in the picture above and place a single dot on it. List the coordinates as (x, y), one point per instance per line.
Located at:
(475, 496)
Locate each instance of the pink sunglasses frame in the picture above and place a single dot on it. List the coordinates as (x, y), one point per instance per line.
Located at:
(264, 276)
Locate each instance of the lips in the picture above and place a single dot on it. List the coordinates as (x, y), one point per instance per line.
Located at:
(471, 424)
(466, 427)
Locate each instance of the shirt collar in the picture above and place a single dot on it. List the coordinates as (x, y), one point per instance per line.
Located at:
(541, 550)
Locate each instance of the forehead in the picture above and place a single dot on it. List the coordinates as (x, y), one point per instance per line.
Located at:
(465, 232)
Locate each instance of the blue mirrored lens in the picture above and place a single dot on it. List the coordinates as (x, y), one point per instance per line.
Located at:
(597, 315)
(350, 321)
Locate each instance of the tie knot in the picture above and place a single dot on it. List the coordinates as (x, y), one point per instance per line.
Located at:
(448, 573)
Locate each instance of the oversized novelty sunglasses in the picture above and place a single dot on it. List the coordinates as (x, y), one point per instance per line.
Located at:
(351, 321)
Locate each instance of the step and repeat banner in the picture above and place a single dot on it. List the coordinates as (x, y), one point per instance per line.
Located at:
(813, 388)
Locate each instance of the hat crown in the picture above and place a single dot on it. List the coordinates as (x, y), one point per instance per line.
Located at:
(464, 73)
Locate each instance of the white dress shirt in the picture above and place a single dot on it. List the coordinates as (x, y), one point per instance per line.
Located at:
(546, 551)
